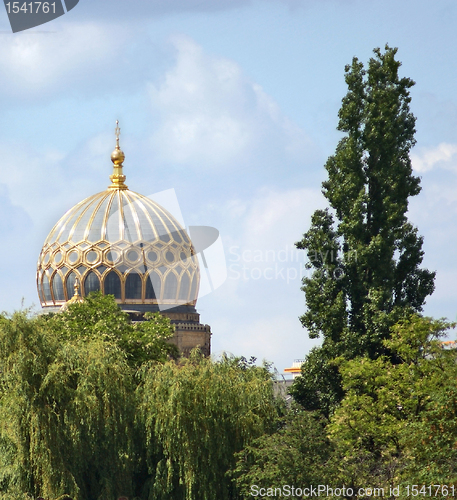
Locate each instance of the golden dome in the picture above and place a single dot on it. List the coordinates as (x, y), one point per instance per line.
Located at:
(121, 243)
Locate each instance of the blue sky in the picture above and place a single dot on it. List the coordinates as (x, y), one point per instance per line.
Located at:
(234, 105)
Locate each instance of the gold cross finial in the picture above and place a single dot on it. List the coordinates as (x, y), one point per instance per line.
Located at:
(117, 157)
(117, 132)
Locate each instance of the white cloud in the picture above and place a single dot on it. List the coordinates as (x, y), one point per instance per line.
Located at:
(259, 236)
(27, 175)
(46, 183)
(32, 63)
(213, 116)
(271, 221)
(14, 221)
(280, 216)
(264, 273)
(442, 156)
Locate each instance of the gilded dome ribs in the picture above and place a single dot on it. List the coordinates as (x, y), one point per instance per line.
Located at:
(121, 231)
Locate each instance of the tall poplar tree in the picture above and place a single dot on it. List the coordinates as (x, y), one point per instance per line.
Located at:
(364, 255)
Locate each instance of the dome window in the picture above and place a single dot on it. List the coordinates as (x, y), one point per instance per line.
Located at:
(194, 290)
(40, 290)
(171, 287)
(57, 287)
(91, 283)
(153, 286)
(170, 256)
(70, 285)
(131, 231)
(96, 226)
(184, 236)
(184, 289)
(113, 285)
(46, 289)
(133, 286)
(147, 228)
(81, 225)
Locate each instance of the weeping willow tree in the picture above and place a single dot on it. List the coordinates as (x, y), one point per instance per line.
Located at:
(91, 407)
(66, 413)
(67, 400)
(197, 415)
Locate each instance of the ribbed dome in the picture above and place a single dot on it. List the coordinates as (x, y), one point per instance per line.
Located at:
(123, 244)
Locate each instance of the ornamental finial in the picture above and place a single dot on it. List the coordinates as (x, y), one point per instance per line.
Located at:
(76, 297)
(76, 288)
(117, 132)
(117, 157)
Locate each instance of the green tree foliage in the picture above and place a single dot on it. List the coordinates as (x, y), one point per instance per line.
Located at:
(99, 317)
(67, 399)
(364, 255)
(198, 414)
(396, 423)
(66, 409)
(92, 406)
(296, 454)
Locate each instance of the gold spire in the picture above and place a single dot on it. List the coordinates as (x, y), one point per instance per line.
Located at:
(76, 289)
(117, 157)
(76, 297)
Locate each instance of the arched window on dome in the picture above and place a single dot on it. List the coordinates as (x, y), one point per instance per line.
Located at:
(153, 286)
(133, 286)
(40, 289)
(184, 287)
(113, 285)
(46, 289)
(70, 285)
(57, 287)
(91, 283)
(171, 287)
(194, 290)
